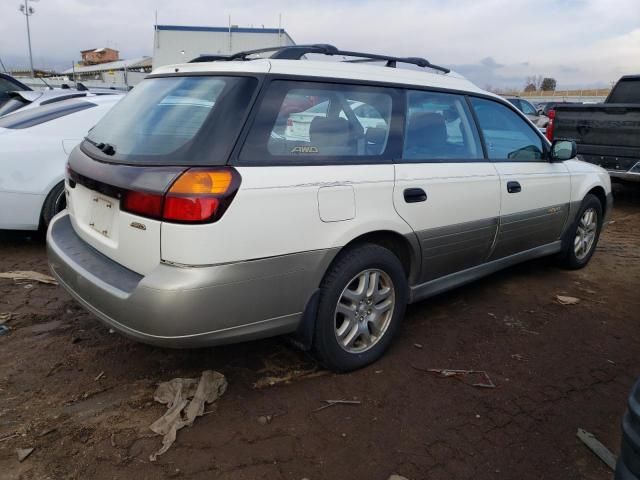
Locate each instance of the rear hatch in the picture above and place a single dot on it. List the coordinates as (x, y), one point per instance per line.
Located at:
(121, 173)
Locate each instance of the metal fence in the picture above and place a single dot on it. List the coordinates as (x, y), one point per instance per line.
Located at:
(587, 95)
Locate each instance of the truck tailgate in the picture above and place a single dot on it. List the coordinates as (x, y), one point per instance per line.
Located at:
(607, 135)
(617, 124)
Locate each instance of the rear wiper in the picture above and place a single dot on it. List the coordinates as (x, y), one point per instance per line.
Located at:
(106, 148)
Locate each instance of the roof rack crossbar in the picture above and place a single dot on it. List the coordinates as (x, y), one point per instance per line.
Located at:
(296, 52)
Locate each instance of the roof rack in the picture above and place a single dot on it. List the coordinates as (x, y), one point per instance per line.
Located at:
(296, 52)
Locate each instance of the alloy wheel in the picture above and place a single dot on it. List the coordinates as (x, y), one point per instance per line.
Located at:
(586, 233)
(364, 310)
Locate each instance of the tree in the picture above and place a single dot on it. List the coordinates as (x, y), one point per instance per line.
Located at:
(548, 84)
(530, 88)
(535, 80)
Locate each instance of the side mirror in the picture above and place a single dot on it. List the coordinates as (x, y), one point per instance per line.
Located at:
(562, 150)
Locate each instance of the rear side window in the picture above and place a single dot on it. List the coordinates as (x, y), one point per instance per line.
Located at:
(42, 114)
(506, 135)
(174, 120)
(306, 122)
(439, 127)
(625, 91)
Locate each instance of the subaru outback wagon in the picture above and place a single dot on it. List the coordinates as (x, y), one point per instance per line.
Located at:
(234, 198)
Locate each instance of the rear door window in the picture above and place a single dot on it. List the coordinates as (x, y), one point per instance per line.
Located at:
(507, 135)
(625, 91)
(174, 120)
(308, 122)
(439, 127)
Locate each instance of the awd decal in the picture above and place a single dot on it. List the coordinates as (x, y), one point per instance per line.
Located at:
(305, 150)
(553, 210)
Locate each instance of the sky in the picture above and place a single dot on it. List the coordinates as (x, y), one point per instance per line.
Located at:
(497, 43)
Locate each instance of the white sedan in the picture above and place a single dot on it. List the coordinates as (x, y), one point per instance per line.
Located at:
(34, 146)
(299, 123)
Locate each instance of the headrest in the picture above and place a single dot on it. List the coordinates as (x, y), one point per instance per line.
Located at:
(329, 131)
(426, 128)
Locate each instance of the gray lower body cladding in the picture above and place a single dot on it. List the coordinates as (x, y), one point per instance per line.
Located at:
(522, 231)
(458, 254)
(456, 247)
(187, 306)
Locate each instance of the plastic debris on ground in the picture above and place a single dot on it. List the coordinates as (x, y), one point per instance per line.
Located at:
(29, 275)
(564, 300)
(23, 453)
(602, 452)
(462, 375)
(185, 399)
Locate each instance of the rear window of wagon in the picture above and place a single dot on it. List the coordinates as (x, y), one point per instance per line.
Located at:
(177, 120)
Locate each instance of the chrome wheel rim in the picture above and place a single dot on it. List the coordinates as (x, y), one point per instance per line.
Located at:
(585, 234)
(364, 310)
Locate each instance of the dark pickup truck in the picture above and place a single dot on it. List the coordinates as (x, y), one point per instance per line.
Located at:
(607, 134)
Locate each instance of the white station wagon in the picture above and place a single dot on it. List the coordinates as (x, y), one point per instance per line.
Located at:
(194, 220)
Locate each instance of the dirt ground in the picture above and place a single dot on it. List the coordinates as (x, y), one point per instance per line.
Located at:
(556, 369)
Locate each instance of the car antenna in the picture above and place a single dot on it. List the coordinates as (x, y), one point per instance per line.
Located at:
(43, 81)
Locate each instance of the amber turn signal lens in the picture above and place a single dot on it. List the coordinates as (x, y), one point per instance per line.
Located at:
(203, 182)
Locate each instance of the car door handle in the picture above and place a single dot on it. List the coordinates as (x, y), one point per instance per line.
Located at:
(514, 187)
(414, 195)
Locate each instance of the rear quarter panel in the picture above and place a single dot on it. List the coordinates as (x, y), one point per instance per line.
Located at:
(277, 212)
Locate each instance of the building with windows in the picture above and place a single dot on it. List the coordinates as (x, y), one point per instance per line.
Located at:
(121, 74)
(99, 55)
(179, 43)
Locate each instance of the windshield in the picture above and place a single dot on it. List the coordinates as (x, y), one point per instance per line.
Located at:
(173, 120)
(12, 105)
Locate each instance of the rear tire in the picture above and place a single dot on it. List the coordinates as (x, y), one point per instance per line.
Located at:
(363, 297)
(54, 204)
(582, 236)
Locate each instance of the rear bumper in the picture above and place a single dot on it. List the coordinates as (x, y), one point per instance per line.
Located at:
(628, 466)
(620, 167)
(177, 306)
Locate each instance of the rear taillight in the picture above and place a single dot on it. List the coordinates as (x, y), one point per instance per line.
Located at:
(552, 119)
(198, 195)
(142, 203)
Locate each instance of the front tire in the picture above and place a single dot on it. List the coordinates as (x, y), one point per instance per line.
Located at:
(363, 297)
(582, 237)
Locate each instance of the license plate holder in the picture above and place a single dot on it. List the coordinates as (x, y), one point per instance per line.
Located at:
(102, 214)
